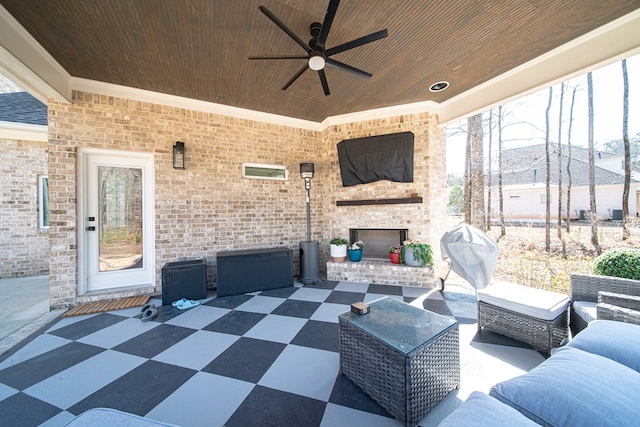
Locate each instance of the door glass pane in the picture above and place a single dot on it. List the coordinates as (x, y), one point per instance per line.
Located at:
(120, 218)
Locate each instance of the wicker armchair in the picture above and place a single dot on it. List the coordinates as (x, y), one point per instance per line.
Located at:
(616, 298)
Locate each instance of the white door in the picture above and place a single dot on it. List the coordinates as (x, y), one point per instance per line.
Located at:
(116, 220)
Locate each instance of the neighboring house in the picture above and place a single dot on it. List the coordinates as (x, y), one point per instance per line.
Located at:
(24, 230)
(524, 183)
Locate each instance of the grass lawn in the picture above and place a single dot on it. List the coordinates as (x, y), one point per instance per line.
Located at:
(523, 258)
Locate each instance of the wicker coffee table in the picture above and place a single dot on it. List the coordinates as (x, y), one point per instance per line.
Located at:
(406, 358)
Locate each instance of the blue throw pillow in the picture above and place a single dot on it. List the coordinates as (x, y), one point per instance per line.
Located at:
(614, 340)
(480, 410)
(575, 388)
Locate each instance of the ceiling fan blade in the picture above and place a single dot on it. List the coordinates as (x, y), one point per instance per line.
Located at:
(323, 80)
(284, 28)
(357, 42)
(295, 77)
(326, 24)
(280, 57)
(348, 68)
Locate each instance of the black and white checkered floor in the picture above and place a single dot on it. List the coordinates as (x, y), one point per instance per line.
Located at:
(262, 359)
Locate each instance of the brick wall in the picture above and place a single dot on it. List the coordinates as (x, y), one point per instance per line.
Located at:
(24, 248)
(425, 221)
(209, 207)
(199, 211)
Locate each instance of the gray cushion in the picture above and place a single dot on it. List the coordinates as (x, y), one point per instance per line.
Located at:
(617, 341)
(575, 388)
(586, 310)
(536, 303)
(480, 410)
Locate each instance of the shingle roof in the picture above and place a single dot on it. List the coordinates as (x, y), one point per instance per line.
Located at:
(527, 165)
(18, 106)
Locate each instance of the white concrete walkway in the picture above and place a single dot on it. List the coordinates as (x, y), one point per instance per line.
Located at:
(24, 308)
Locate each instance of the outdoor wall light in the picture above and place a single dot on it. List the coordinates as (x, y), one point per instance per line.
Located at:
(178, 155)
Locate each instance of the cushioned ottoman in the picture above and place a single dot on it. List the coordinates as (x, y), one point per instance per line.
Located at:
(534, 316)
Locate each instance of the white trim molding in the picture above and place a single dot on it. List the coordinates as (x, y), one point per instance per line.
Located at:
(108, 89)
(23, 131)
(25, 62)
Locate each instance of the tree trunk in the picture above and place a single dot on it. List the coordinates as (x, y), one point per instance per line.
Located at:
(592, 175)
(547, 225)
(627, 153)
(503, 228)
(489, 185)
(559, 225)
(569, 178)
(477, 172)
(467, 179)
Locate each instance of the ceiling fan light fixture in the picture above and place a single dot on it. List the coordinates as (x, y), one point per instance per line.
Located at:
(316, 61)
(439, 87)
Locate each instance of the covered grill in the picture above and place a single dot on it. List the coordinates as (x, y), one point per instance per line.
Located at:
(471, 253)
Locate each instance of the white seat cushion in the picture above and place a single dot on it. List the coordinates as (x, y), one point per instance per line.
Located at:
(586, 309)
(537, 303)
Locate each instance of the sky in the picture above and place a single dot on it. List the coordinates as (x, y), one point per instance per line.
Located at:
(607, 101)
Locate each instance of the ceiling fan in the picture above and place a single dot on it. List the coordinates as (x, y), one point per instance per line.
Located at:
(317, 55)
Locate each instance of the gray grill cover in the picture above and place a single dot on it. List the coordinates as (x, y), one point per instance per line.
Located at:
(473, 254)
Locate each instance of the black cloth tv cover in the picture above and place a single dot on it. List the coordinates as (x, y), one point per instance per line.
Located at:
(376, 158)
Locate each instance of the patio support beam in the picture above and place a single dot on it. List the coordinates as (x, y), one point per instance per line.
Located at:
(25, 62)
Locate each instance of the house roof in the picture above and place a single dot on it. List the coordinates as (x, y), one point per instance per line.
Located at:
(488, 51)
(527, 166)
(19, 106)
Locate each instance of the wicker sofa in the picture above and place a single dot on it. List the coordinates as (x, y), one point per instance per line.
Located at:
(591, 381)
(603, 297)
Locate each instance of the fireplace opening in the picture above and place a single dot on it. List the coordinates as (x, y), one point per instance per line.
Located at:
(377, 241)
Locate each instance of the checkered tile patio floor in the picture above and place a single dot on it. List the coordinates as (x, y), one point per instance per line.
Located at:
(261, 359)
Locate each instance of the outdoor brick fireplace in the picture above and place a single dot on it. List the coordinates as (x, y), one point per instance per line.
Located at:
(418, 208)
(375, 266)
(377, 241)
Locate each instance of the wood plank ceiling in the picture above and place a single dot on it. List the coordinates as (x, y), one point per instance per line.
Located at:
(199, 48)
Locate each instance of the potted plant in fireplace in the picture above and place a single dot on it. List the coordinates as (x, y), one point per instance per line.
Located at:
(394, 254)
(417, 253)
(338, 247)
(355, 251)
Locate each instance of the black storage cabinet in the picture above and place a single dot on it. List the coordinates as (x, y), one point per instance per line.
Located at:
(184, 279)
(253, 270)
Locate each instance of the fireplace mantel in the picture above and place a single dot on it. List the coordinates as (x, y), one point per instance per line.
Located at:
(400, 201)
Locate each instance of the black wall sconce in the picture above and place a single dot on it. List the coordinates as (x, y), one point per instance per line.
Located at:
(178, 155)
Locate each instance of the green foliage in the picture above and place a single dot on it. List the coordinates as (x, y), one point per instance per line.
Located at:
(620, 262)
(421, 251)
(338, 241)
(456, 199)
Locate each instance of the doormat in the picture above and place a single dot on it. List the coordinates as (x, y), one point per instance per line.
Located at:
(102, 306)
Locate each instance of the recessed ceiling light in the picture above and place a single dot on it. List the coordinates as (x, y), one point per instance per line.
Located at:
(439, 87)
